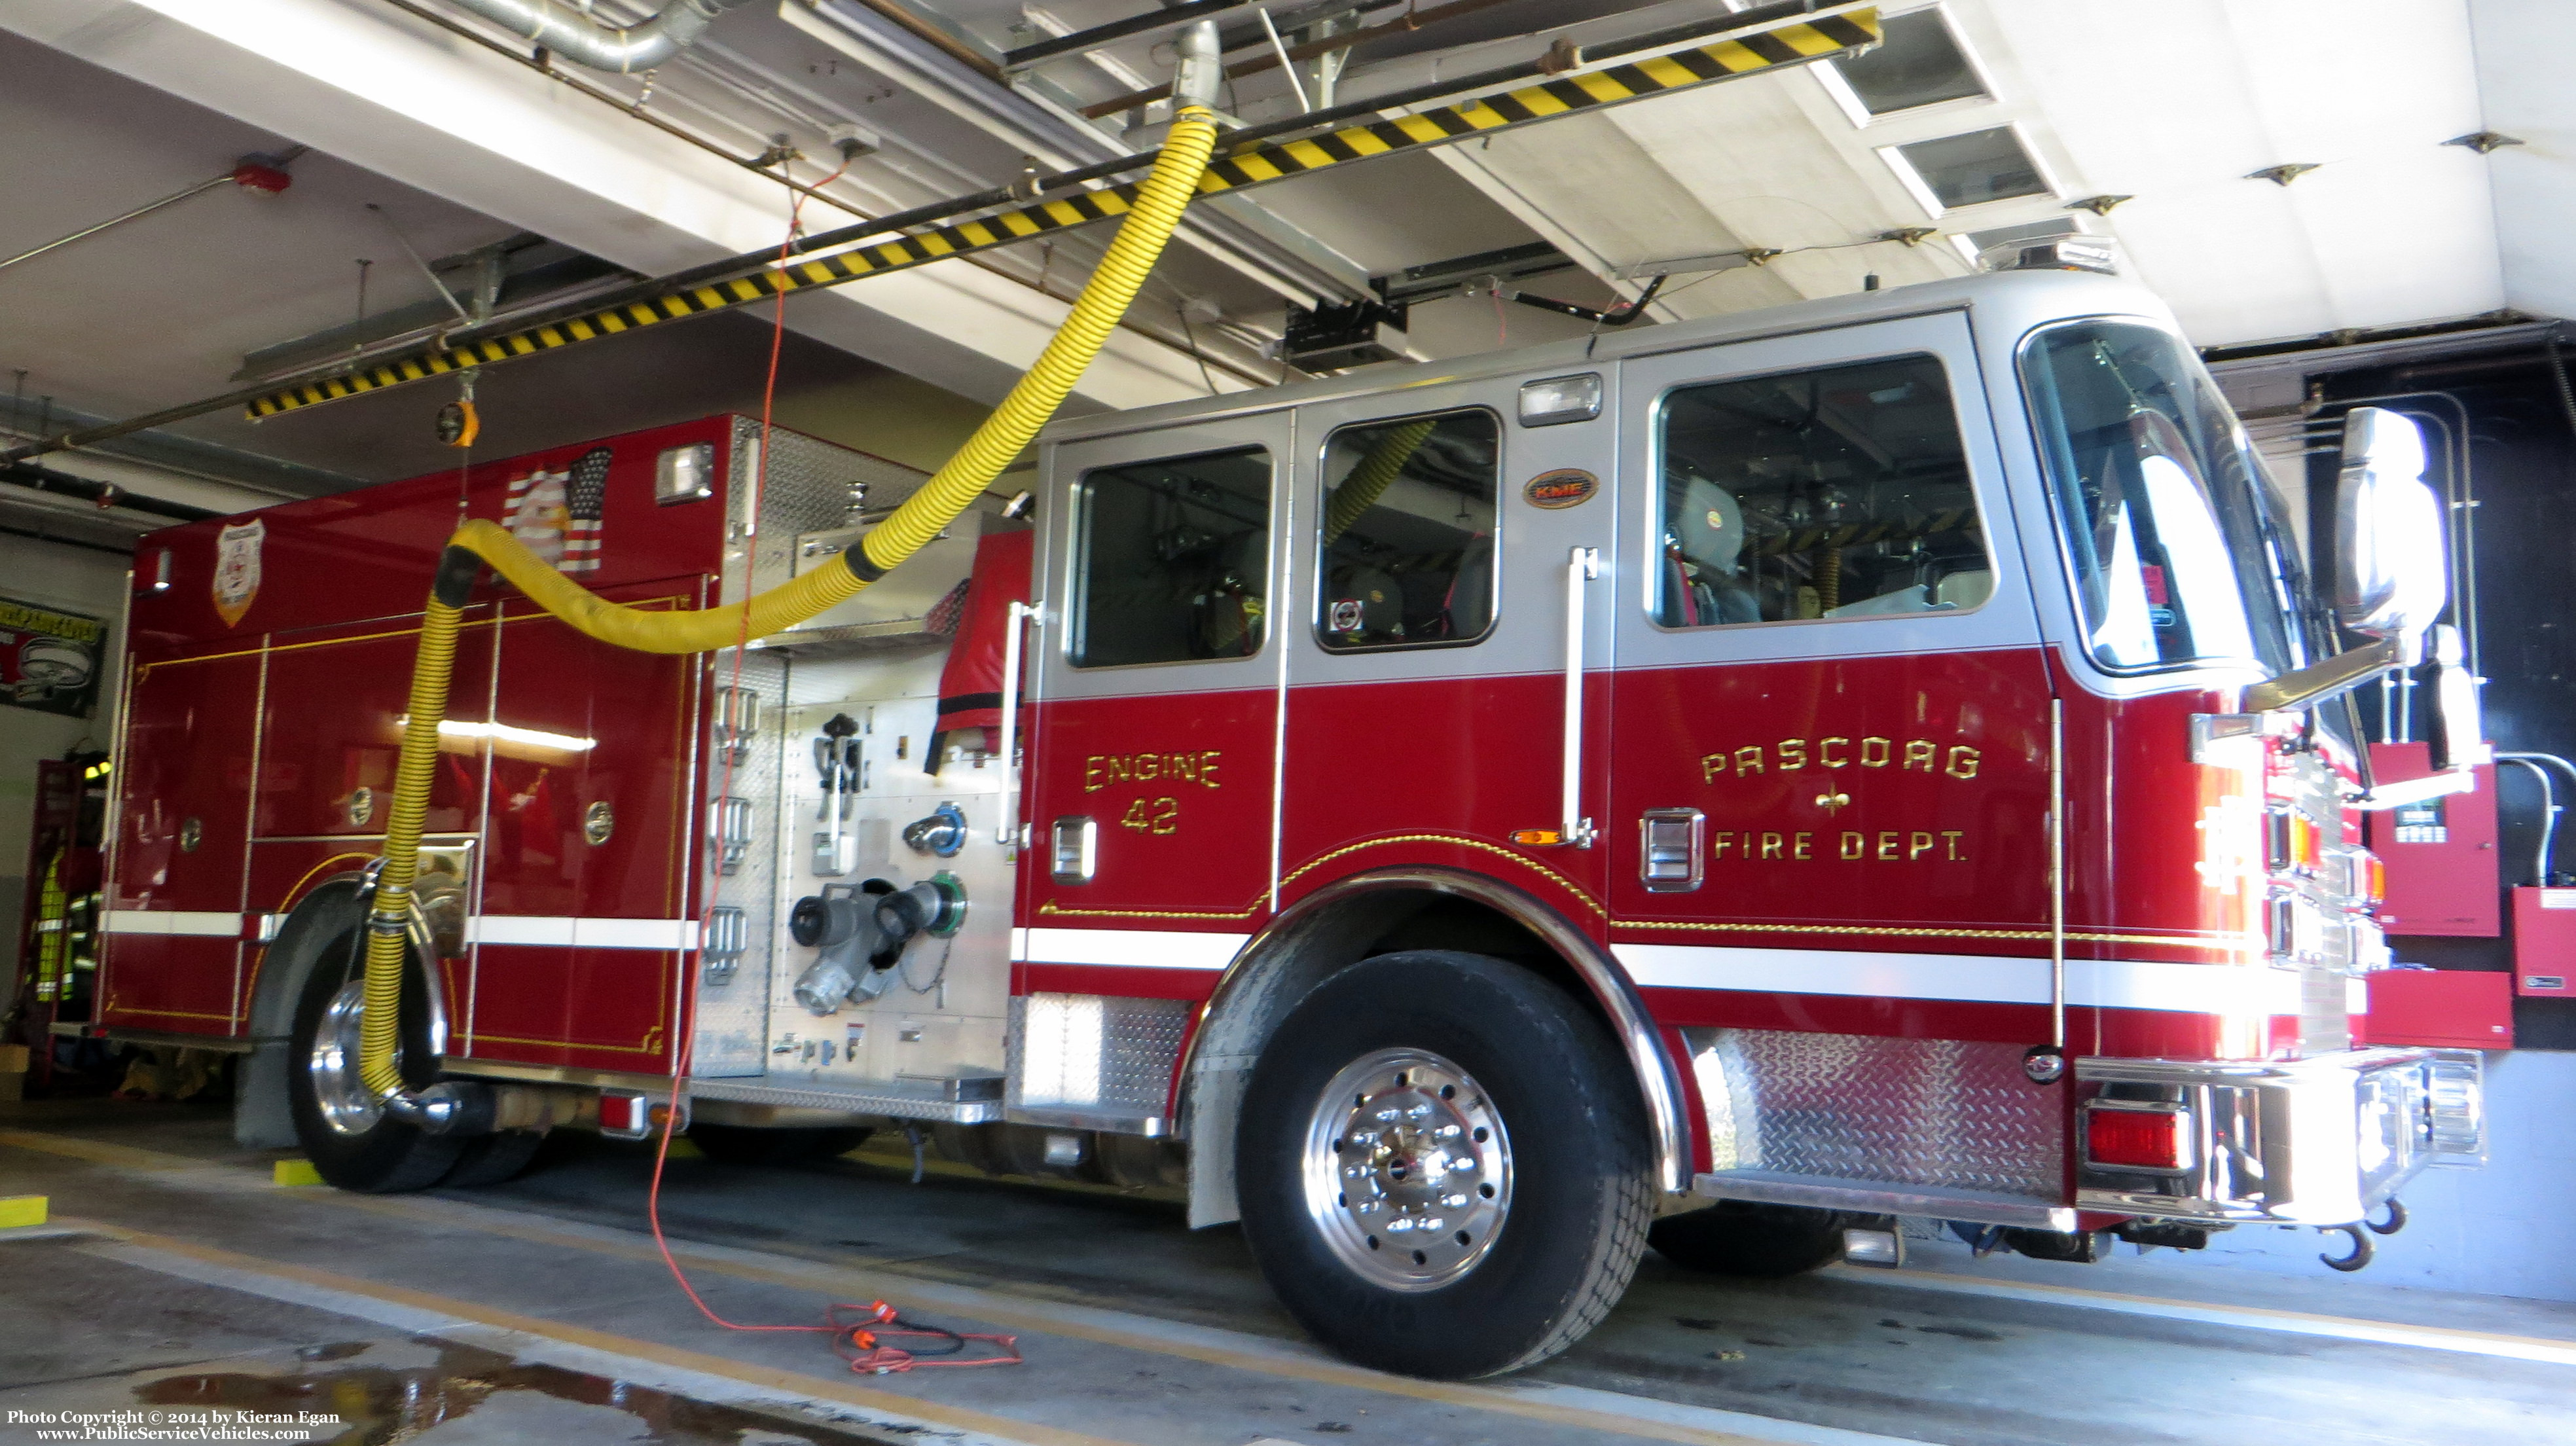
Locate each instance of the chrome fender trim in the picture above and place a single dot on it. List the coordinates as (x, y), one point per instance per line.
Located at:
(318, 900)
(1659, 1082)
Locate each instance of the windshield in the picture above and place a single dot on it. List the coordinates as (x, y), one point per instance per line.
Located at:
(2170, 523)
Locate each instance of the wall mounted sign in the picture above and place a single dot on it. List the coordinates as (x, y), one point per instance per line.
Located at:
(49, 659)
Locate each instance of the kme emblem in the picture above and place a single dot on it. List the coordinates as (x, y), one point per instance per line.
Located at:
(237, 569)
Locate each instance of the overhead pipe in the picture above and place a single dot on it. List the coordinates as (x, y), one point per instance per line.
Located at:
(260, 175)
(732, 267)
(585, 42)
(105, 494)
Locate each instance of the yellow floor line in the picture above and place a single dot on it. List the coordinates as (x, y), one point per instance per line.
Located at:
(792, 1382)
(99, 1153)
(1003, 1310)
(2109, 1299)
(1017, 1314)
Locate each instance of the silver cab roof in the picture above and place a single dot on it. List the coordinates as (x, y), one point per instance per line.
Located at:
(2004, 305)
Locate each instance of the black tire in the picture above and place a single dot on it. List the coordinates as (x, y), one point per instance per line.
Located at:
(387, 1156)
(751, 1145)
(1577, 1190)
(493, 1159)
(1758, 1242)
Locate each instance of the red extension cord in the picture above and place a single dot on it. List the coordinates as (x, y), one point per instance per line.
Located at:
(858, 1333)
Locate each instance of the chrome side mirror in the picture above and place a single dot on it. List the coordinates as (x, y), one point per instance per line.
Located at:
(2392, 581)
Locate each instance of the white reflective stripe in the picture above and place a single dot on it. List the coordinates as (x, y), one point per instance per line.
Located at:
(1126, 948)
(560, 932)
(169, 921)
(517, 929)
(2099, 983)
(635, 933)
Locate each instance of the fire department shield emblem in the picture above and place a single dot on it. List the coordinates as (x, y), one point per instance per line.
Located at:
(237, 569)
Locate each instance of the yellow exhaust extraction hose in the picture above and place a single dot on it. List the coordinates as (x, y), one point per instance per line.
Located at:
(1376, 472)
(1155, 214)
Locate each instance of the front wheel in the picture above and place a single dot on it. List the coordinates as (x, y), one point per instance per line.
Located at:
(1442, 1166)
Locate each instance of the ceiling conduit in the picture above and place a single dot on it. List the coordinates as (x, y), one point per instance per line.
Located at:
(576, 37)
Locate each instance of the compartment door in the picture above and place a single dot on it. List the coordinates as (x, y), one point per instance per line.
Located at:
(1150, 794)
(1831, 740)
(1427, 706)
(173, 955)
(586, 904)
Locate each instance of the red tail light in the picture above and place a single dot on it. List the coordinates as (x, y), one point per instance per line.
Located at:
(2152, 1138)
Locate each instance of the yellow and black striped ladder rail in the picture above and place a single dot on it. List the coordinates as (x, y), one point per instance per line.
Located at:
(1792, 43)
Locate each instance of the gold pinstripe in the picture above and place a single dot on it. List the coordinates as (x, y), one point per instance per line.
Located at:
(1455, 840)
(1262, 163)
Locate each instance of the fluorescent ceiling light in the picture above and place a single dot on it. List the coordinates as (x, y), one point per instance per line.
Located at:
(532, 744)
(1967, 170)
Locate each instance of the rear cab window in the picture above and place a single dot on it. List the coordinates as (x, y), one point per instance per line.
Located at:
(1172, 560)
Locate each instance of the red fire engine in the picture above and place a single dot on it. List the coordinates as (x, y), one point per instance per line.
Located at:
(1737, 784)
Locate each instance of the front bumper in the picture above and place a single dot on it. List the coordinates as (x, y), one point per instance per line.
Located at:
(2321, 1141)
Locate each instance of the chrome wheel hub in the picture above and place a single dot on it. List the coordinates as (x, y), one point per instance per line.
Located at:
(1408, 1172)
(348, 1106)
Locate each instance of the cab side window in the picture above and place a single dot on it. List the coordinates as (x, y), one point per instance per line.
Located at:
(1837, 493)
(1172, 559)
(1407, 532)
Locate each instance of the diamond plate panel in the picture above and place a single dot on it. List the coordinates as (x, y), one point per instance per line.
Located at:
(1943, 1113)
(1095, 1052)
(808, 489)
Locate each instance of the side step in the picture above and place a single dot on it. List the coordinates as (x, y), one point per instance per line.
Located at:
(969, 1100)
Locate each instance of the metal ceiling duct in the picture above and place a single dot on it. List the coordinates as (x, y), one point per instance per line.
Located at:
(574, 36)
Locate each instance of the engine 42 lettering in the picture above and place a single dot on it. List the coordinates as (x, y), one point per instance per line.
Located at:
(1153, 815)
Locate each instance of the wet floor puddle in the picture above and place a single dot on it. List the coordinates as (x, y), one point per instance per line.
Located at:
(382, 1405)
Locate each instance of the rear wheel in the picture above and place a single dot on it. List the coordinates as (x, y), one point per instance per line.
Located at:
(493, 1159)
(340, 1122)
(1737, 1237)
(1442, 1166)
(748, 1145)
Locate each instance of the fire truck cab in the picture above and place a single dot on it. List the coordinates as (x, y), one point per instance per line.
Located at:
(1740, 783)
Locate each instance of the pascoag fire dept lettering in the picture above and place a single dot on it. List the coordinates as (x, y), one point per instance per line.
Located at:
(1789, 755)
(1885, 845)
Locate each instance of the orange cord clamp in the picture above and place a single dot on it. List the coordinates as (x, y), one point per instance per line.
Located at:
(863, 1342)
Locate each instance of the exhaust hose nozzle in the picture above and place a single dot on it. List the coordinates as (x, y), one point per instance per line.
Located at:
(1202, 67)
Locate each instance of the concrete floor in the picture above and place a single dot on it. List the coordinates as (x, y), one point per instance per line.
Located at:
(538, 1311)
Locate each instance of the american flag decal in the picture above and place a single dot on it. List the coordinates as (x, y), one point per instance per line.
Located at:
(586, 503)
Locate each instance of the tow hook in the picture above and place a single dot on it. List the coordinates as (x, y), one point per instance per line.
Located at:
(2362, 1249)
(2395, 1222)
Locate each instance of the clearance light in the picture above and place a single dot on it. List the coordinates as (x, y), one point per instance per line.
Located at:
(2137, 1137)
(2293, 842)
(2372, 875)
(1553, 400)
(627, 1114)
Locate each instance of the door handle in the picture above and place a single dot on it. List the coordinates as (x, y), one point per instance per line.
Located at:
(1671, 849)
(1074, 849)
